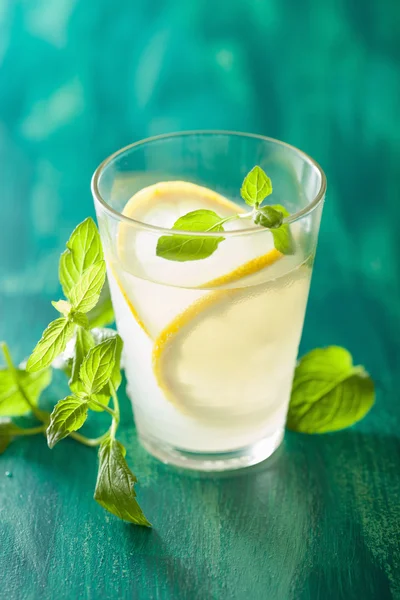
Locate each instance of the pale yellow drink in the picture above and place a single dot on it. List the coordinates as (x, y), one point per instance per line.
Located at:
(209, 346)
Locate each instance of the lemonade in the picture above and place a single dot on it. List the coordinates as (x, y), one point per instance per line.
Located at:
(209, 352)
(211, 316)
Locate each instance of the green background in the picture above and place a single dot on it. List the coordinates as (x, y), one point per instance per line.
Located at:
(79, 80)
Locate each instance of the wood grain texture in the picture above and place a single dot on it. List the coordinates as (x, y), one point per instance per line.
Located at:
(321, 521)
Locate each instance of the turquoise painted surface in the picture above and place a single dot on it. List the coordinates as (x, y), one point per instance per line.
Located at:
(77, 81)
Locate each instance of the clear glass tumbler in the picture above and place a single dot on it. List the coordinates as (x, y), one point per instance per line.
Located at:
(210, 345)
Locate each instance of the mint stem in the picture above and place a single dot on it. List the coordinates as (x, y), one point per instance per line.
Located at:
(115, 421)
(31, 430)
(232, 218)
(91, 442)
(102, 406)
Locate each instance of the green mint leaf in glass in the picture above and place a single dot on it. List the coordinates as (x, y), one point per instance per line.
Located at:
(98, 366)
(272, 218)
(103, 313)
(12, 402)
(269, 217)
(256, 186)
(328, 392)
(51, 344)
(83, 343)
(86, 292)
(283, 238)
(63, 307)
(115, 484)
(83, 250)
(68, 415)
(185, 247)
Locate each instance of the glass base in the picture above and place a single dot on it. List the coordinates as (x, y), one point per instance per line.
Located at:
(217, 461)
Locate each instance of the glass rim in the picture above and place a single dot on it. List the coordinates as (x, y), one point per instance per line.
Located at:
(208, 132)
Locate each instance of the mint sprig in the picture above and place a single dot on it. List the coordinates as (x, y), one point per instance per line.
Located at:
(95, 372)
(255, 188)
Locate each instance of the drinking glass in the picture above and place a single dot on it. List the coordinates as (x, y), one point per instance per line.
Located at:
(210, 345)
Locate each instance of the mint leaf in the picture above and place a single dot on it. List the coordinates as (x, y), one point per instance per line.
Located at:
(115, 379)
(115, 484)
(79, 318)
(272, 217)
(104, 399)
(83, 250)
(52, 343)
(68, 415)
(269, 217)
(103, 313)
(86, 292)
(283, 239)
(98, 366)
(79, 388)
(199, 220)
(83, 343)
(103, 396)
(185, 247)
(256, 186)
(82, 269)
(328, 392)
(63, 307)
(12, 402)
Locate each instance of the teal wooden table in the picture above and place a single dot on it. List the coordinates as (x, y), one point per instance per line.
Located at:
(321, 520)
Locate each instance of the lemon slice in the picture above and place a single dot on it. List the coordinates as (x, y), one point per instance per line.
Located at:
(137, 266)
(229, 356)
